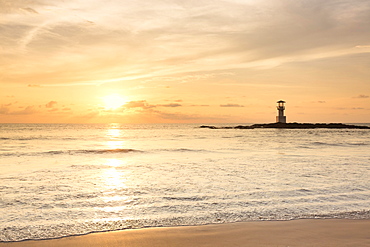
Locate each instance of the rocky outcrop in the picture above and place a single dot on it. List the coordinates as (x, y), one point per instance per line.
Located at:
(292, 126)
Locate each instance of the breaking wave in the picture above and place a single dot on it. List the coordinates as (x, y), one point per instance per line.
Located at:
(72, 152)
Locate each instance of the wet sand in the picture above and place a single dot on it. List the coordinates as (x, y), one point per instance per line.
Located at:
(328, 232)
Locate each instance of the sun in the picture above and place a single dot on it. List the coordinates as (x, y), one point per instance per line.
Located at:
(113, 101)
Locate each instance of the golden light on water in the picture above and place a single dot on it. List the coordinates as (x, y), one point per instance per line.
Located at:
(115, 144)
(113, 133)
(113, 177)
(113, 162)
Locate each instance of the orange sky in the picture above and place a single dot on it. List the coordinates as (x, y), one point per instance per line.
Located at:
(159, 61)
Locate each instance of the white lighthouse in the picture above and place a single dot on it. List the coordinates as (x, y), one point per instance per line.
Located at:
(281, 107)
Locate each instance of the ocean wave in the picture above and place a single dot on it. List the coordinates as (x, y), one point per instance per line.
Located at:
(339, 144)
(104, 151)
(73, 152)
(357, 144)
(24, 138)
(94, 151)
(185, 198)
(15, 233)
(184, 150)
(326, 144)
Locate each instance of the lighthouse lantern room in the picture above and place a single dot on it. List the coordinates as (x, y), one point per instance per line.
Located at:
(280, 118)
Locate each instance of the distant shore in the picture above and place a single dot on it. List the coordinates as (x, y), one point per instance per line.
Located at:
(292, 126)
(307, 232)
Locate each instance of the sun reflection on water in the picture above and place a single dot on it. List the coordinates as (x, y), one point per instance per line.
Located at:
(113, 162)
(115, 144)
(114, 134)
(114, 178)
(114, 181)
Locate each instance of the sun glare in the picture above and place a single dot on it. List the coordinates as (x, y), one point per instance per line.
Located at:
(113, 101)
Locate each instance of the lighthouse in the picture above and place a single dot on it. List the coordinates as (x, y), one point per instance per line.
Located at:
(280, 118)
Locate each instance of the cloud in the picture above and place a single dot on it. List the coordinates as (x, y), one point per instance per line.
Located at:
(53, 110)
(138, 104)
(173, 37)
(4, 109)
(171, 105)
(361, 96)
(30, 10)
(214, 46)
(20, 6)
(51, 104)
(26, 111)
(362, 46)
(145, 105)
(145, 109)
(232, 105)
(178, 100)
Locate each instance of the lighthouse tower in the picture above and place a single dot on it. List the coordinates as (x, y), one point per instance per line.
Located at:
(280, 106)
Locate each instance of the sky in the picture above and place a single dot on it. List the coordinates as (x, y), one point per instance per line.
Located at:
(184, 61)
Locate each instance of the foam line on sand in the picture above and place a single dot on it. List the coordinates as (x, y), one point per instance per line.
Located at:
(308, 232)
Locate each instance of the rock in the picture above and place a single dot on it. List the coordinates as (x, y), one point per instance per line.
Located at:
(293, 126)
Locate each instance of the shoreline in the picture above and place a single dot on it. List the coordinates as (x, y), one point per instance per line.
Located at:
(301, 232)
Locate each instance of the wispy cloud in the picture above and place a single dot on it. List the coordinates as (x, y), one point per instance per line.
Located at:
(171, 105)
(18, 6)
(231, 105)
(51, 104)
(200, 105)
(81, 38)
(4, 109)
(29, 10)
(138, 104)
(25, 111)
(361, 96)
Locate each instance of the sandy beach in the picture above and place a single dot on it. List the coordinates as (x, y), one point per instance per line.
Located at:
(328, 232)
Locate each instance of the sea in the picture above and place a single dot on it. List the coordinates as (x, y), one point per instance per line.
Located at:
(59, 180)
